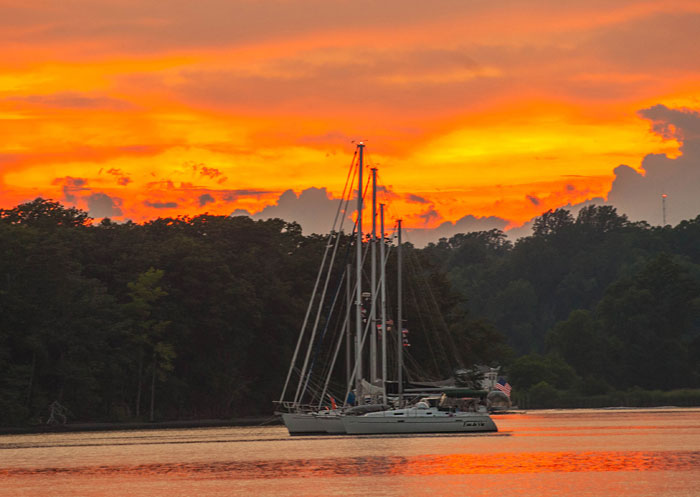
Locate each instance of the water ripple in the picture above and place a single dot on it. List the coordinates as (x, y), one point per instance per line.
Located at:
(453, 464)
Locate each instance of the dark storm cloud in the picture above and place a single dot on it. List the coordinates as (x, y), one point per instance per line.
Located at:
(429, 215)
(639, 195)
(102, 205)
(122, 178)
(234, 195)
(210, 172)
(416, 199)
(205, 199)
(421, 237)
(71, 186)
(160, 205)
(313, 209)
(240, 212)
(679, 124)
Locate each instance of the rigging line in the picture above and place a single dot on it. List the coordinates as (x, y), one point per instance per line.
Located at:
(434, 310)
(349, 193)
(364, 335)
(451, 343)
(317, 346)
(313, 387)
(339, 331)
(354, 372)
(332, 307)
(364, 196)
(347, 190)
(428, 340)
(313, 293)
(351, 380)
(347, 182)
(426, 322)
(347, 256)
(318, 313)
(364, 193)
(333, 361)
(336, 336)
(417, 371)
(306, 318)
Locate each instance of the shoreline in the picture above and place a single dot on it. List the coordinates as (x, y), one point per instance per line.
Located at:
(141, 425)
(254, 421)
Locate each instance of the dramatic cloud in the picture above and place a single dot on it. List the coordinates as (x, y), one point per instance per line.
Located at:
(161, 205)
(417, 199)
(679, 124)
(122, 178)
(102, 205)
(210, 172)
(534, 200)
(240, 212)
(429, 215)
(421, 237)
(205, 199)
(235, 195)
(70, 187)
(639, 194)
(313, 209)
(496, 109)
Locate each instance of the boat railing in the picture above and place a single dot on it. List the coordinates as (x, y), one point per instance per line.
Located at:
(287, 406)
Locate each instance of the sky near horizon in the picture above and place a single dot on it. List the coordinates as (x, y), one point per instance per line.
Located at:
(472, 110)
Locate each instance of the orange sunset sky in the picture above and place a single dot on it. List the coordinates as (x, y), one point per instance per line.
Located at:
(136, 109)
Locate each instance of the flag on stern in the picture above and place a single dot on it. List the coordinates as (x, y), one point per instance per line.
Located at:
(503, 386)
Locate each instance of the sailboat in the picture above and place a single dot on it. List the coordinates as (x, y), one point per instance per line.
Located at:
(320, 415)
(432, 413)
(377, 412)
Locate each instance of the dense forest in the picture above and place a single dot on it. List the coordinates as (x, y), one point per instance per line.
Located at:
(194, 318)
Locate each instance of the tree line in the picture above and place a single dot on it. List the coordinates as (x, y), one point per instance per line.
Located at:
(591, 305)
(197, 317)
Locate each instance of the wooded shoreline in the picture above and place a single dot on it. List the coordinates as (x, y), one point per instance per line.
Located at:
(197, 318)
(143, 425)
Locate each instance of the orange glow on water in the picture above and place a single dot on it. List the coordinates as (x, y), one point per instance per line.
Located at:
(423, 465)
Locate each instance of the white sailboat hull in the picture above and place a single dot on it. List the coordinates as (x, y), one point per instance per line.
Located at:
(388, 422)
(332, 423)
(303, 423)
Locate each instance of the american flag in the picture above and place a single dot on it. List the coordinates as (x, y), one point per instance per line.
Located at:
(503, 386)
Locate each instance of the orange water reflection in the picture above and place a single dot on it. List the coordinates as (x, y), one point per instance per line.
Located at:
(424, 465)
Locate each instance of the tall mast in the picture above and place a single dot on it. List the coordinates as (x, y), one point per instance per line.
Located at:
(399, 323)
(358, 293)
(382, 278)
(348, 327)
(373, 311)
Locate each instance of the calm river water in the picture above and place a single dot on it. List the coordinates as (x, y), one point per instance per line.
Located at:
(583, 453)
